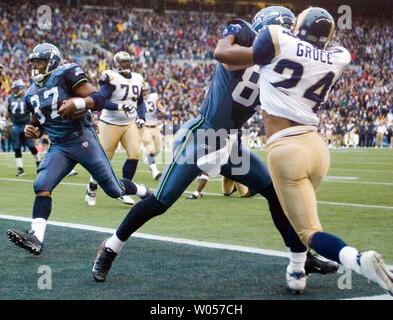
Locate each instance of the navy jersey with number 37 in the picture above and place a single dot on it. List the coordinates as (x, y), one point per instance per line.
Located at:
(44, 101)
(232, 98)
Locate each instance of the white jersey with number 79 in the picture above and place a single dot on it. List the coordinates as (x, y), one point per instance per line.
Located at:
(295, 77)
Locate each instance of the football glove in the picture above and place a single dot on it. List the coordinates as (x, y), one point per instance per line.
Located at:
(140, 123)
(245, 37)
(128, 110)
(231, 29)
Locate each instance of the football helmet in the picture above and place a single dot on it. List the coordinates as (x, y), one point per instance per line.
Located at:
(316, 26)
(145, 88)
(17, 87)
(122, 63)
(43, 51)
(273, 15)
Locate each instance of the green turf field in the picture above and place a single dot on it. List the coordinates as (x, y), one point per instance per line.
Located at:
(355, 203)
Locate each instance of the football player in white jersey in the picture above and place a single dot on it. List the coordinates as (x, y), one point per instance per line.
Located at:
(297, 71)
(151, 136)
(120, 86)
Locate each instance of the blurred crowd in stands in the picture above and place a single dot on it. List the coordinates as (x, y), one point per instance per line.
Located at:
(174, 52)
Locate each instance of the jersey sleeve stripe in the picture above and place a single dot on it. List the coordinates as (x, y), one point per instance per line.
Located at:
(78, 82)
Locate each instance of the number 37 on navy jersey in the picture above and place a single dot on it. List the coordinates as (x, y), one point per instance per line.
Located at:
(45, 100)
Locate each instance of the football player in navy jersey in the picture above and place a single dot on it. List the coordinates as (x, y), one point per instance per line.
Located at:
(72, 137)
(231, 100)
(298, 157)
(20, 116)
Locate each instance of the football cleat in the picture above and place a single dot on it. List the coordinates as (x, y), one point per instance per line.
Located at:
(157, 175)
(90, 197)
(126, 200)
(20, 172)
(26, 240)
(194, 196)
(103, 262)
(373, 268)
(296, 281)
(314, 264)
(73, 173)
(148, 192)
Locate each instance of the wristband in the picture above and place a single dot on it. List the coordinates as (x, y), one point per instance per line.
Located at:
(80, 104)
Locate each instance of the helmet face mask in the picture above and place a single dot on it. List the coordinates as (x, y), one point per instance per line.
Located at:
(17, 88)
(145, 89)
(122, 63)
(273, 15)
(37, 69)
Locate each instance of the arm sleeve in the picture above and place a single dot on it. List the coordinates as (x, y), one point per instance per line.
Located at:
(141, 108)
(9, 105)
(263, 47)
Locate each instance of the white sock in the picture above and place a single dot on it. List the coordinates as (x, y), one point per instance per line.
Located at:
(38, 225)
(140, 190)
(114, 243)
(297, 261)
(154, 169)
(37, 157)
(348, 257)
(93, 181)
(19, 162)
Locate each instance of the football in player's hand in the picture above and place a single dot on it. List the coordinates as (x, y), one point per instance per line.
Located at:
(67, 110)
(246, 35)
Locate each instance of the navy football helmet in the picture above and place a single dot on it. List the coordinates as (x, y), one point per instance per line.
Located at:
(17, 87)
(44, 51)
(315, 26)
(273, 15)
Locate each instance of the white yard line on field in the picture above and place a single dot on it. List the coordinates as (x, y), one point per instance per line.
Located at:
(221, 195)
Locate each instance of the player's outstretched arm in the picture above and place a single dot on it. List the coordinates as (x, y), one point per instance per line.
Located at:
(229, 54)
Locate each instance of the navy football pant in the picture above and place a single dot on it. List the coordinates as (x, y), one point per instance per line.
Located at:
(85, 150)
(181, 172)
(19, 139)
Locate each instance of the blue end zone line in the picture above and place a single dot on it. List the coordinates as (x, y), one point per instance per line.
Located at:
(196, 243)
(221, 195)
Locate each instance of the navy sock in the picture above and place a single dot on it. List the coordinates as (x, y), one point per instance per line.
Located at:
(281, 221)
(129, 186)
(295, 244)
(140, 213)
(42, 207)
(129, 168)
(327, 245)
(150, 159)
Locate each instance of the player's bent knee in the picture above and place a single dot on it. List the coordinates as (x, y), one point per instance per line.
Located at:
(43, 194)
(18, 153)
